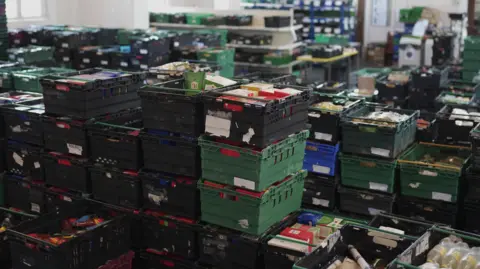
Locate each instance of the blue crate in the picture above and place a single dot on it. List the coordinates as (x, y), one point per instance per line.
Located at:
(321, 158)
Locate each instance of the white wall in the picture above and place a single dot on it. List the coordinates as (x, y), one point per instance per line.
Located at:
(379, 34)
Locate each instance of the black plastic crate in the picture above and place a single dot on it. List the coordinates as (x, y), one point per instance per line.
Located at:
(24, 194)
(325, 51)
(391, 90)
(85, 57)
(9, 219)
(116, 187)
(67, 172)
(410, 227)
(86, 250)
(153, 259)
(225, 248)
(249, 57)
(23, 122)
(427, 127)
(171, 194)
(455, 128)
(171, 153)
(86, 94)
(473, 184)
(239, 20)
(429, 77)
(325, 122)
(59, 199)
(471, 212)
(319, 192)
(364, 239)
(66, 135)
(277, 21)
(430, 210)
(364, 202)
(120, 60)
(70, 39)
(150, 45)
(173, 235)
(18, 38)
(106, 36)
(25, 160)
(260, 125)
(275, 78)
(169, 107)
(114, 140)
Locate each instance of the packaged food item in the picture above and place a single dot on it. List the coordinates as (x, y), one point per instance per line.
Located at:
(436, 254)
(257, 86)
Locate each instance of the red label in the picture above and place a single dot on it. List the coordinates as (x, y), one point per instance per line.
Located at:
(232, 107)
(65, 162)
(63, 125)
(134, 133)
(62, 87)
(230, 152)
(168, 263)
(130, 173)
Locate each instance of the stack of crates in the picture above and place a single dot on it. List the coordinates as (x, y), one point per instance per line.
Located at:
(21, 151)
(426, 86)
(393, 88)
(3, 31)
(225, 58)
(252, 156)
(472, 194)
(471, 55)
(432, 182)
(172, 120)
(370, 148)
(321, 160)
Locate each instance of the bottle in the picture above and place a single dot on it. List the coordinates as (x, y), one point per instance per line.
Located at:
(454, 255)
(436, 254)
(471, 260)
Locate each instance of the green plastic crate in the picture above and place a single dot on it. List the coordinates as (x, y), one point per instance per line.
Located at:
(227, 70)
(247, 211)
(6, 76)
(277, 59)
(375, 138)
(220, 56)
(196, 18)
(159, 17)
(473, 55)
(368, 173)
(472, 43)
(470, 65)
(29, 80)
(251, 169)
(30, 54)
(431, 181)
(468, 75)
(331, 39)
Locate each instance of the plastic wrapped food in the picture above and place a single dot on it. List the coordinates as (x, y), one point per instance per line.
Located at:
(387, 118)
(453, 99)
(462, 114)
(443, 160)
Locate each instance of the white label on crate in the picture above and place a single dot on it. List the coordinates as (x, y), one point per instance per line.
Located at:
(414, 185)
(217, 126)
(86, 60)
(144, 66)
(320, 202)
(268, 62)
(248, 41)
(323, 136)
(296, 2)
(442, 196)
(380, 152)
(21, 60)
(248, 136)
(124, 64)
(366, 197)
(337, 31)
(104, 62)
(11, 56)
(243, 223)
(33, 40)
(66, 59)
(314, 115)
(16, 41)
(107, 174)
(143, 51)
(318, 29)
(36, 165)
(428, 173)
(328, 3)
(74, 149)
(316, 3)
(176, 44)
(464, 123)
(64, 45)
(327, 30)
(18, 159)
(26, 79)
(243, 183)
(321, 169)
(423, 245)
(378, 186)
(373, 211)
(66, 198)
(35, 207)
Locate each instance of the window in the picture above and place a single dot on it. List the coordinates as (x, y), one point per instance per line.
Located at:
(25, 9)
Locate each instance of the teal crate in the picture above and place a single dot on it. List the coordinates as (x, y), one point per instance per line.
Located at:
(472, 43)
(469, 75)
(436, 181)
(378, 138)
(249, 168)
(247, 211)
(29, 80)
(6, 76)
